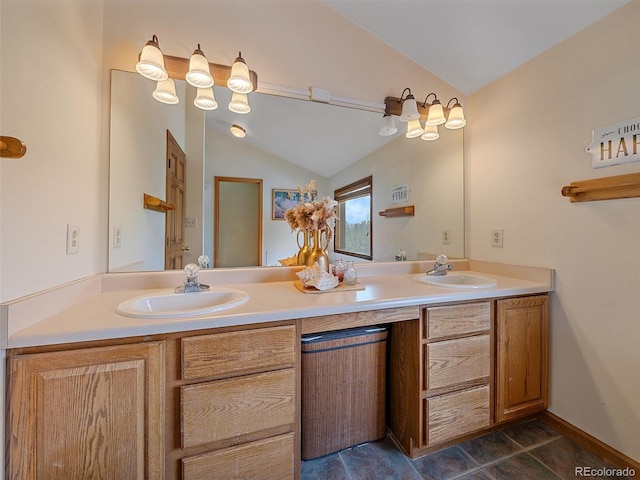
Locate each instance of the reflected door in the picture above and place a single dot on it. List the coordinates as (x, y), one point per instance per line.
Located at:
(237, 222)
(176, 194)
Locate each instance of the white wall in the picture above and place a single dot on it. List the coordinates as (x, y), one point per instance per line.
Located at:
(527, 134)
(51, 64)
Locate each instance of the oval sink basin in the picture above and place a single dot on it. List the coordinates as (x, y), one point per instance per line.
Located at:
(457, 280)
(168, 304)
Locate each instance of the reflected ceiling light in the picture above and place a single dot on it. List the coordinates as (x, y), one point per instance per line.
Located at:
(205, 99)
(414, 129)
(239, 80)
(436, 113)
(409, 107)
(151, 62)
(239, 103)
(430, 133)
(165, 92)
(199, 74)
(388, 126)
(238, 131)
(456, 116)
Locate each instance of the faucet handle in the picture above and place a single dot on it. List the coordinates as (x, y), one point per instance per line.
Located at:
(191, 269)
(441, 259)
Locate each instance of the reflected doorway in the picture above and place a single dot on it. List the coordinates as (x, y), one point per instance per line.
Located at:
(237, 220)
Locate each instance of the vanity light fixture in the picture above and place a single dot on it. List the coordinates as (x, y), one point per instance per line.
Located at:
(239, 80)
(237, 131)
(409, 107)
(414, 128)
(205, 99)
(151, 62)
(165, 92)
(436, 113)
(456, 116)
(199, 75)
(430, 133)
(388, 126)
(239, 103)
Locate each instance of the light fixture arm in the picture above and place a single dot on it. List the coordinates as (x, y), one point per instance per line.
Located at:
(448, 107)
(402, 97)
(425, 104)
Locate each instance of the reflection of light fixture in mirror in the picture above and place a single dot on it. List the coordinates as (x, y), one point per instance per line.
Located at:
(165, 92)
(414, 129)
(456, 116)
(409, 107)
(436, 113)
(199, 75)
(205, 99)
(239, 103)
(239, 80)
(238, 131)
(388, 126)
(430, 133)
(151, 63)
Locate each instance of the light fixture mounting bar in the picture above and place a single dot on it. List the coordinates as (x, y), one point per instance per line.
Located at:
(393, 106)
(178, 67)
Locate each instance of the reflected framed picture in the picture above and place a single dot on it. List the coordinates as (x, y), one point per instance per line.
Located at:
(282, 200)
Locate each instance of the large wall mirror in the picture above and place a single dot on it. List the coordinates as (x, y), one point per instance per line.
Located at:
(288, 142)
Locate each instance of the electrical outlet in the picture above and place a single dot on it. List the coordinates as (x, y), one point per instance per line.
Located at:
(446, 237)
(191, 222)
(117, 237)
(73, 239)
(496, 237)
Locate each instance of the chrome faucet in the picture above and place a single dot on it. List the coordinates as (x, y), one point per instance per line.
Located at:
(441, 267)
(191, 284)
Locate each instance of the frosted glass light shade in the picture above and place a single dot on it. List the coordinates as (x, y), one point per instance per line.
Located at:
(239, 80)
(430, 133)
(414, 129)
(456, 118)
(205, 99)
(165, 92)
(238, 131)
(239, 103)
(409, 109)
(199, 75)
(388, 126)
(436, 114)
(151, 63)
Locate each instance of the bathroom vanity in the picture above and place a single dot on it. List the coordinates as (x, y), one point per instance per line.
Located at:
(179, 399)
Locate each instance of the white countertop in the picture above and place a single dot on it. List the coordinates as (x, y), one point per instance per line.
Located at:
(94, 316)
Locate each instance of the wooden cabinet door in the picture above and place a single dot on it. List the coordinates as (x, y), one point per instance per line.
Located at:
(89, 413)
(522, 356)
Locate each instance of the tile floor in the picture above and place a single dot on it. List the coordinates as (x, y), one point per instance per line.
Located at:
(528, 451)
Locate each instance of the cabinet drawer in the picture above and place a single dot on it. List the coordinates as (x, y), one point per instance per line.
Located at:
(237, 352)
(237, 406)
(456, 414)
(454, 320)
(457, 362)
(269, 459)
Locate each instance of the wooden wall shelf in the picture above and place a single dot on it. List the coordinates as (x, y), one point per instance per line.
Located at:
(408, 211)
(608, 188)
(154, 203)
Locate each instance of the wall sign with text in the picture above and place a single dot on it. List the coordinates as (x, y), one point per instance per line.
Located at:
(615, 144)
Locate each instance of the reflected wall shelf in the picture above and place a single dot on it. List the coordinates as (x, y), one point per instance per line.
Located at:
(608, 188)
(408, 211)
(154, 203)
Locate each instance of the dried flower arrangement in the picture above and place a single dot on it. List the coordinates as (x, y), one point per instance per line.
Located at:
(312, 214)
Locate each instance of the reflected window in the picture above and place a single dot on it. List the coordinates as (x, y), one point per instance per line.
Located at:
(353, 226)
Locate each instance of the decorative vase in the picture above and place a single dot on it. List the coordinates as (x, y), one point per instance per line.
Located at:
(317, 253)
(305, 249)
